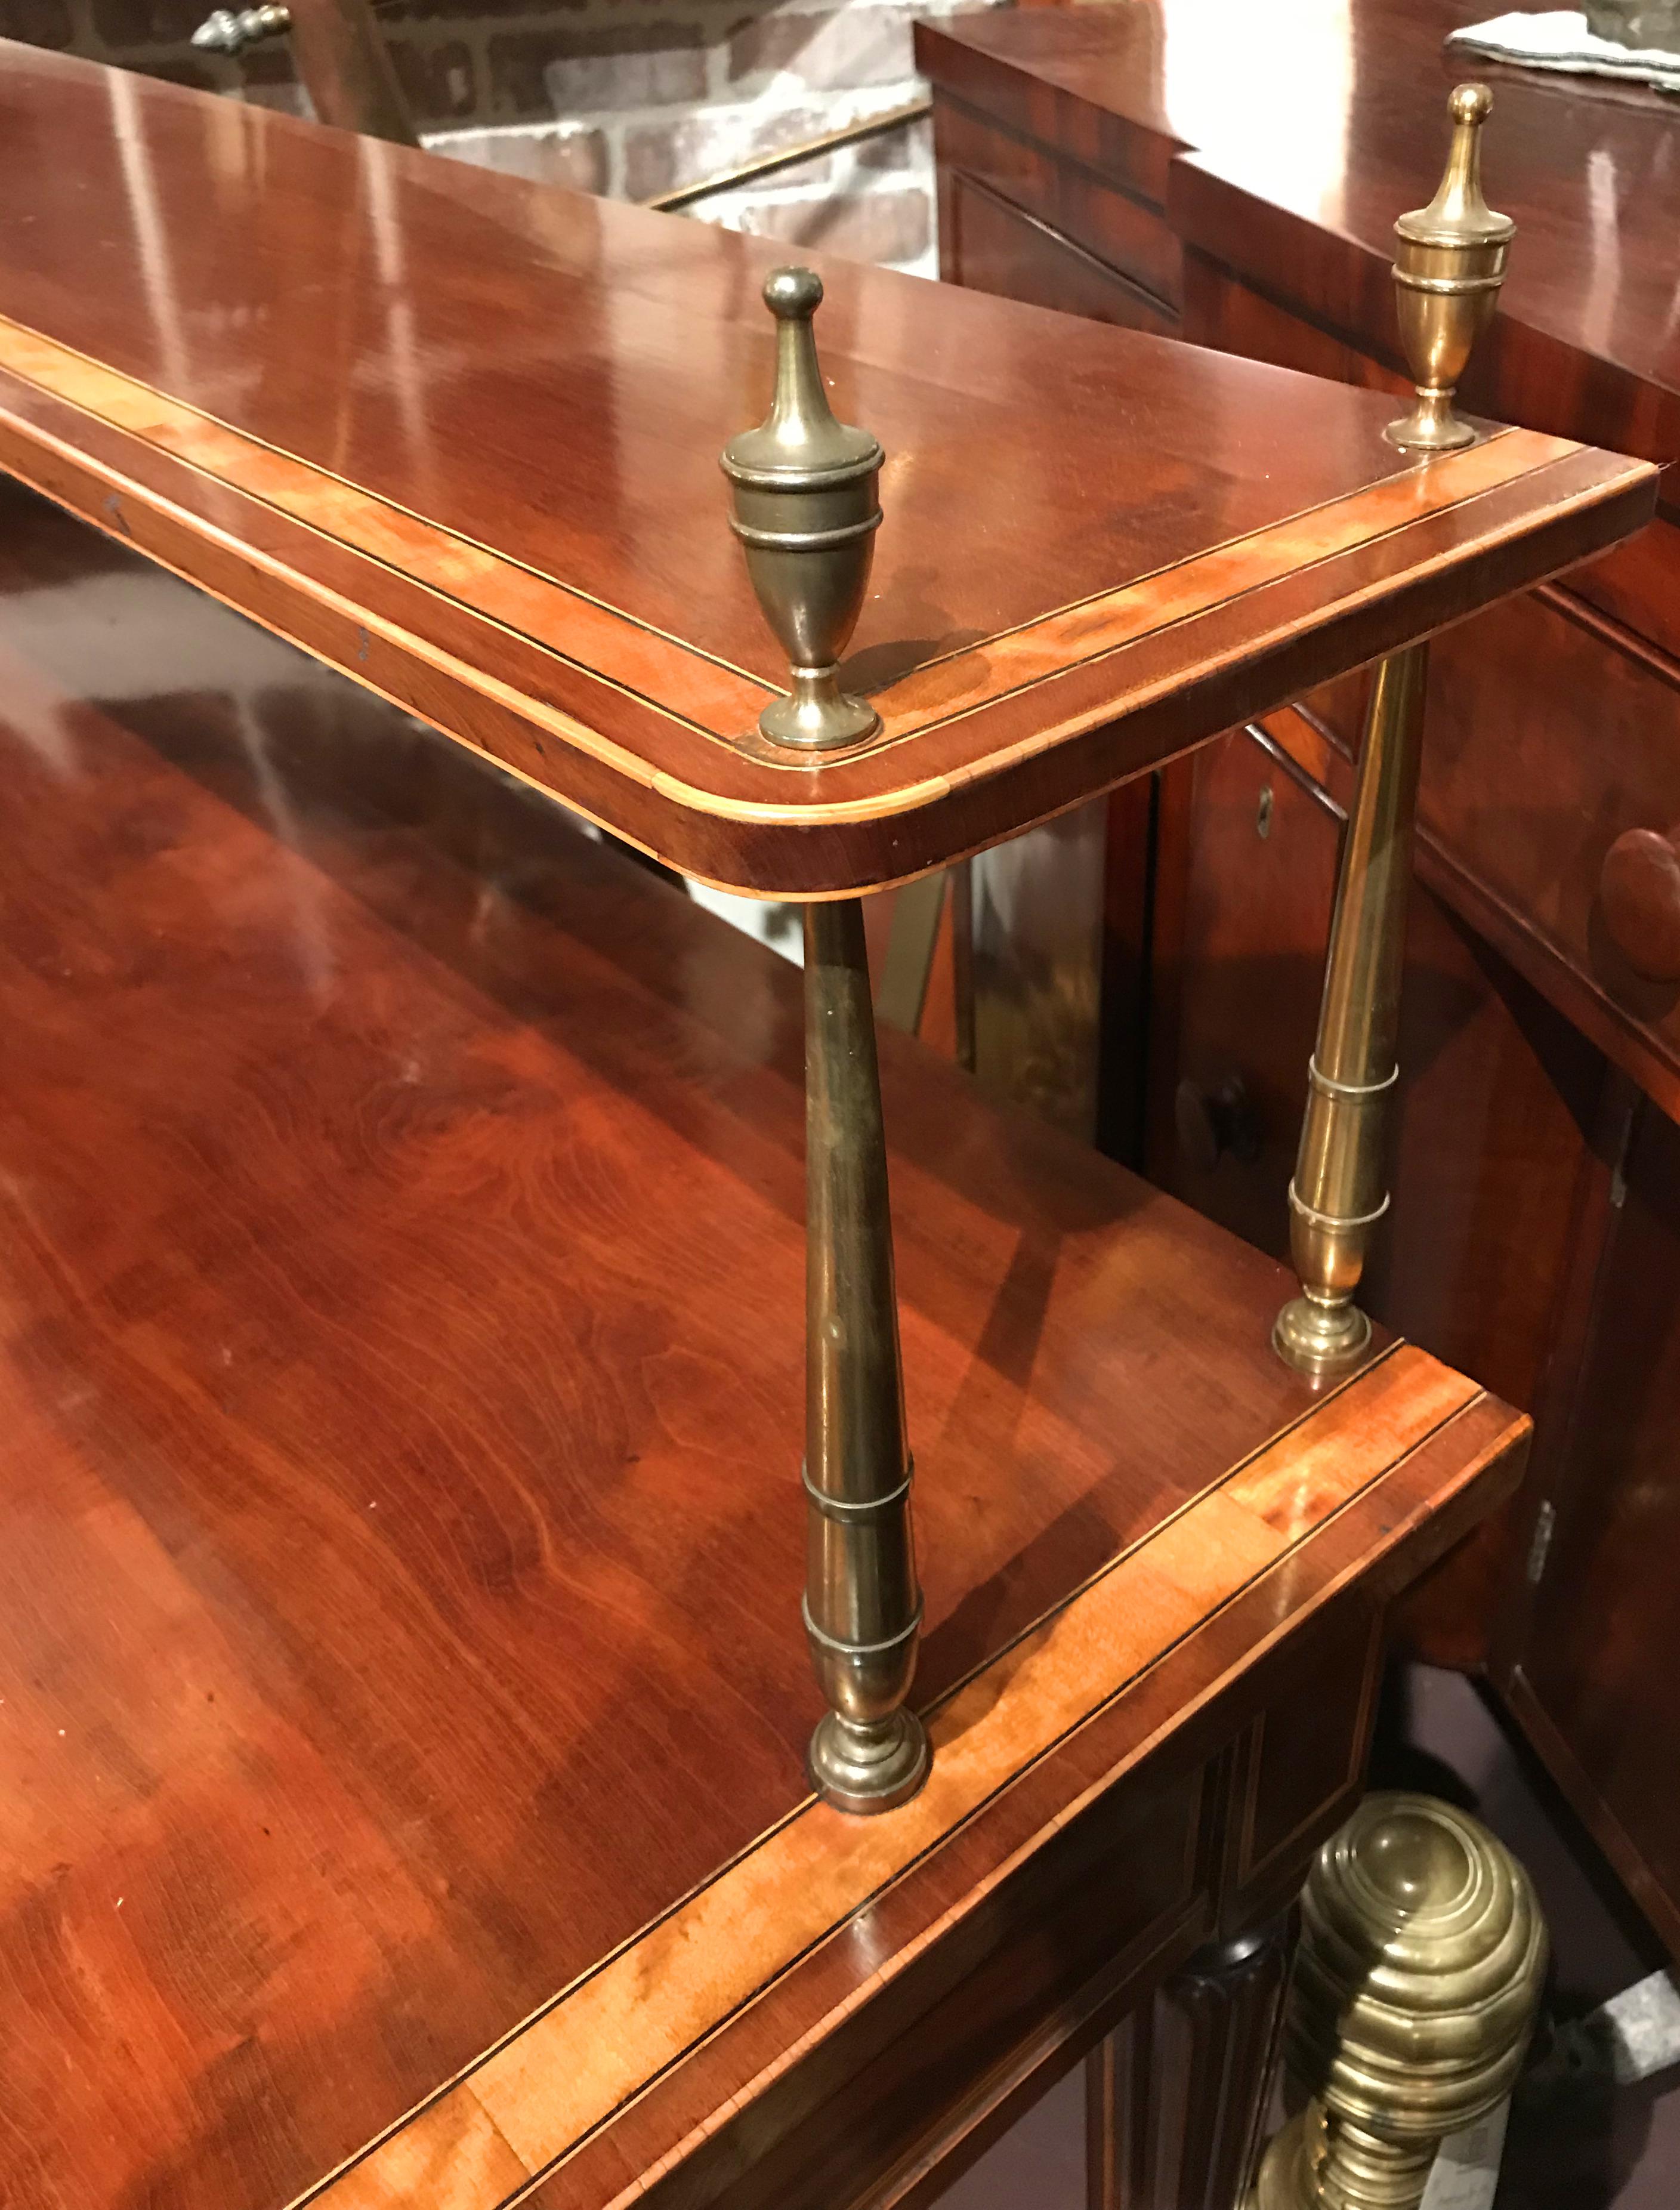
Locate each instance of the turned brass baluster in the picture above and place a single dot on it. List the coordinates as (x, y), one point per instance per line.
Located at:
(806, 511)
(1337, 1196)
(1450, 262)
(862, 1606)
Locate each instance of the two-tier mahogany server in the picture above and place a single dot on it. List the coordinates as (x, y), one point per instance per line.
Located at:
(403, 1677)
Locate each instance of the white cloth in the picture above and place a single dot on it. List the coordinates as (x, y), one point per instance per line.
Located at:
(1559, 39)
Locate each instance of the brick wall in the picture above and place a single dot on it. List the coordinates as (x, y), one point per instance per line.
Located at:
(623, 97)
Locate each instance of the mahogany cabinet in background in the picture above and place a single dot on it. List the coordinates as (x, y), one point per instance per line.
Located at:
(1093, 155)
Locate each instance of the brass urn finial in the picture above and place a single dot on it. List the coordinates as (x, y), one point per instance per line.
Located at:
(806, 511)
(1448, 272)
(1422, 1956)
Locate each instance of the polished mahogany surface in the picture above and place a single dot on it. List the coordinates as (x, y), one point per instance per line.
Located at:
(402, 1381)
(458, 434)
(1332, 122)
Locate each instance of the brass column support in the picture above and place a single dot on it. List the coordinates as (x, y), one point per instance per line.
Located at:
(1337, 1196)
(863, 1605)
(806, 513)
(1417, 1980)
(1448, 266)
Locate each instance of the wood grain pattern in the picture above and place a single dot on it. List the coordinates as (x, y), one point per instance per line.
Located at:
(568, 2070)
(400, 1386)
(443, 528)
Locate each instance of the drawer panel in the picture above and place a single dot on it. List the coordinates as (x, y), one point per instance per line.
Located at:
(1639, 583)
(1131, 236)
(1546, 741)
(1301, 1765)
(1226, 315)
(990, 246)
(1543, 745)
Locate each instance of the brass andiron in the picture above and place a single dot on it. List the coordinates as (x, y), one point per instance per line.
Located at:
(1448, 272)
(1336, 1196)
(1415, 1984)
(806, 512)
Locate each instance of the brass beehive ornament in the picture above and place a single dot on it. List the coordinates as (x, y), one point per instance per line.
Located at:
(807, 513)
(1422, 1956)
(1447, 271)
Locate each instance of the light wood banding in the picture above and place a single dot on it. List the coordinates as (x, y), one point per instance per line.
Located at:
(497, 500)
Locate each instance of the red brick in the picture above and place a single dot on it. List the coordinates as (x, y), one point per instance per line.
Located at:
(855, 46)
(875, 226)
(659, 154)
(570, 154)
(896, 149)
(562, 71)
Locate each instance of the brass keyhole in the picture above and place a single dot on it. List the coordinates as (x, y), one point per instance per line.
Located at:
(1263, 813)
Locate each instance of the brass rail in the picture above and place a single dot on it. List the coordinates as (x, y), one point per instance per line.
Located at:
(788, 157)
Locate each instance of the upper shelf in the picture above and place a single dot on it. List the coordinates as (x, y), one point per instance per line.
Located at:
(1288, 157)
(458, 435)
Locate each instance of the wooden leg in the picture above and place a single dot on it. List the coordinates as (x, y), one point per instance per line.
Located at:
(1176, 2098)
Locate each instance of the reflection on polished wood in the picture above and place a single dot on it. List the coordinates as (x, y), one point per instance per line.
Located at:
(507, 518)
(426, 1399)
(403, 1563)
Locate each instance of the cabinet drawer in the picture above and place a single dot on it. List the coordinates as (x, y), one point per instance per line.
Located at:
(989, 245)
(1545, 744)
(1088, 210)
(1639, 583)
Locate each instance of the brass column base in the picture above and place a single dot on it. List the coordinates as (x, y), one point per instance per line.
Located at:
(1319, 1339)
(1432, 426)
(868, 1765)
(816, 716)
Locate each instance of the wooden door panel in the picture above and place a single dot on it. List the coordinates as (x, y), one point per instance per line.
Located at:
(987, 244)
(1602, 1650)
